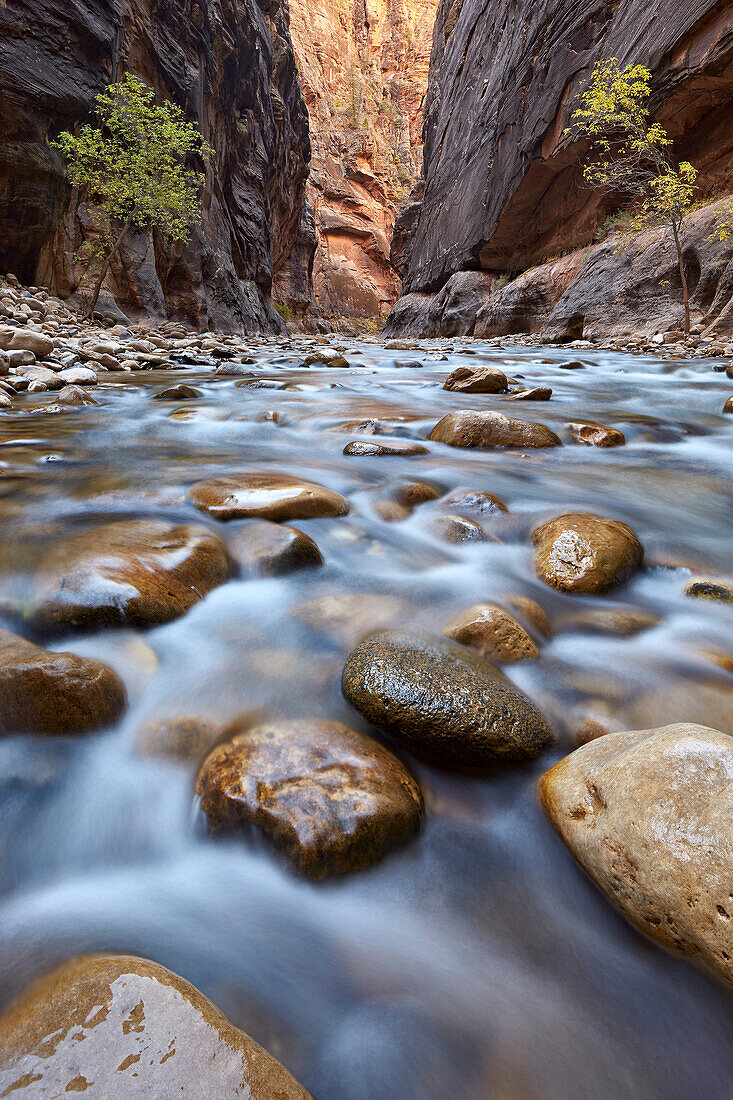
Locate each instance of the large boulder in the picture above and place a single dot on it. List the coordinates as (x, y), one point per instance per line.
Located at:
(490, 429)
(441, 701)
(647, 815)
(580, 552)
(477, 380)
(25, 339)
(492, 632)
(125, 1027)
(55, 693)
(132, 572)
(277, 497)
(330, 799)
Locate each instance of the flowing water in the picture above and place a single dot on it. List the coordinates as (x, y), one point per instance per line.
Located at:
(477, 962)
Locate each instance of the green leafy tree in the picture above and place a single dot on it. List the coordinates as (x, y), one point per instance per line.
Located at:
(134, 169)
(630, 153)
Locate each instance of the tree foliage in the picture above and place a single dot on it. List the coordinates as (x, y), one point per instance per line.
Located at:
(631, 153)
(135, 167)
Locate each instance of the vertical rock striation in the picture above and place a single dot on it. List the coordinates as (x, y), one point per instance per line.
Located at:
(230, 64)
(364, 67)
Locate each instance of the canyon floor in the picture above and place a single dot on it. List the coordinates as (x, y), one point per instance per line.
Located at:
(341, 842)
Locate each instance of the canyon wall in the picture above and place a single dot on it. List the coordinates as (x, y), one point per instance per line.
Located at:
(364, 67)
(503, 187)
(230, 65)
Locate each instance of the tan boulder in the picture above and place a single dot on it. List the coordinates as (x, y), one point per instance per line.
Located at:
(580, 552)
(330, 799)
(278, 497)
(493, 632)
(55, 693)
(490, 429)
(647, 815)
(476, 380)
(123, 1027)
(596, 435)
(474, 500)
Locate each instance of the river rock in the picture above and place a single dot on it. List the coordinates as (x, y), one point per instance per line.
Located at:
(277, 497)
(647, 815)
(531, 611)
(455, 529)
(75, 395)
(19, 358)
(476, 380)
(474, 500)
(78, 376)
(330, 799)
(132, 572)
(442, 701)
(490, 429)
(182, 392)
(37, 373)
(493, 633)
(5, 401)
(537, 393)
(728, 406)
(271, 549)
(705, 589)
(125, 1027)
(54, 693)
(185, 738)
(596, 435)
(325, 359)
(393, 447)
(580, 552)
(25, 339)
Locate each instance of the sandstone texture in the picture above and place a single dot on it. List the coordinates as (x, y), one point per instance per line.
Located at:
(489, 429)
(231, 66)
(130, 572)
(364, 69)
(647, 815)
(55, 693)
(121, 1026)
(580, 552)
(330, 799)
(442, 701)
(502, 191)
(266, 496)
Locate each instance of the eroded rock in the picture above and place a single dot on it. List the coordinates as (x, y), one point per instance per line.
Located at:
(491, 429)
(596, 435)
(493, 633)
(476, 380)
(580, 552)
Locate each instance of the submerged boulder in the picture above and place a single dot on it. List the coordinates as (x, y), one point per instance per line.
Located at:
(442, 701)
(278, 497)
(123, 1027)
(647, 815)
(596, 435)
(55, 693)
(490, 429)
(580, 552)
(477, 380)
(270, 549)
(330, 799)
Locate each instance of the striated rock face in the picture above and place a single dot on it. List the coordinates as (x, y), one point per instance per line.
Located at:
(230, 65)
(503, 189)
(364, 68)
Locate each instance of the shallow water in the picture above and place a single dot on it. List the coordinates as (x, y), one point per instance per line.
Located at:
(478, 962)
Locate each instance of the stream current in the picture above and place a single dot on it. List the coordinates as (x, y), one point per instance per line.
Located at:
(478, 961)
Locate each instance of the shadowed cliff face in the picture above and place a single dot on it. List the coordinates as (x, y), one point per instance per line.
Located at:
(230, 64)
(364, 70)
(503, 187)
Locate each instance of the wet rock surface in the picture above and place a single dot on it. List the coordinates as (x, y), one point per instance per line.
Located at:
(492, 632)
(384, 447)
(595, 435)
(55, 693)
(476, 380)
(270, 549)
(442, 701)
(487, 429)
(647, 815)
(330, 799)
(122, 1026)
(580, 552)
(266, 496)
(132, 572)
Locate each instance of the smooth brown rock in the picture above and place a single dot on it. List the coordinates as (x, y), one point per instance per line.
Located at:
(442, 701)
(728, 406)
(75, 395)
(181, 392)
(325, 359)
(493, 633)
(131, 572)
(474, 500)
(647, 815)
(120, 1027)
(412, 493)
(271, 549)
(185, 738)
(455, 529)
(393, 447)
(596, 435)
(273, 496)
(706, 589)
(538, 393)
(580, 552)
(476, 380)
(490, 429)
(330, 799)
(624, 622)
(55, 693)
(530, 610)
